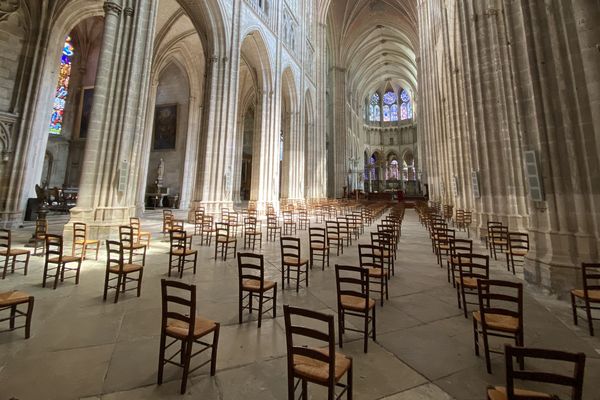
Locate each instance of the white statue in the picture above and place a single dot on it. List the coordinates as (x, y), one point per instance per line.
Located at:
(160, 171)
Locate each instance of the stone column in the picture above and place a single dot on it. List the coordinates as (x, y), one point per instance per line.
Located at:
(117, 119)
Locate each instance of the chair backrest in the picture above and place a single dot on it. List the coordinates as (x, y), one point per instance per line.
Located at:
(445, 235)
(500, 298)
(518, 241)
(573, 380)
(114, 255)
(498, 233)
(384, 240)
(591, 277)
(222, 230)
(271, 221)
(178, 303)
(167, 220)
(317, 236)
(207, 221)
(134, 222)
(5, 240)
(79, 231)
(473, 266)
(126, 235)
(251, 267)
(290, 247)
(370, 256)
(41, 228)
(178, 239)
(468, 217)
(288, 216)
(461, 246)
(250, 224)
(198, 216)
(54, 247)
(352, 281)
(297, 334)
(178, 224)
(492, 224)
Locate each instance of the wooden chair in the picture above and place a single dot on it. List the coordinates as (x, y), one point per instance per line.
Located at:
(115, 265)
(208, 230)
(303, 220)
(352, 285)
(233, 219)
(457, 247)
(371, 258)
(180, 253)
(588, 297)
(136, 252)
(573, 380)
(292, 261)
(198, 221)
(333, 236)
(488, 236)
(498, 240)
(319, 249)
(141, 236)
(12, 256)
(273, 228)
(384, 241)
(10, 301)
(500, 315)
(252, 233)
(181, 324)
(318, 365)
(344, 231)
(55, 257)
(252, 283)
(39, 236)
(167, 222)
(468, 220)
(518, 247)
(289, 226)
(471, 267)
(224, 240)
(443, 243)
(81, 242)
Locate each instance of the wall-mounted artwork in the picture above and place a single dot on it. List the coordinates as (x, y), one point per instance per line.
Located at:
(165, 127)
(87, 98)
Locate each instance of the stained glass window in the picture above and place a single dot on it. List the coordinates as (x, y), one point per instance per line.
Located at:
(390, 113)
(62, 88)
(374, 109)
(406, 110)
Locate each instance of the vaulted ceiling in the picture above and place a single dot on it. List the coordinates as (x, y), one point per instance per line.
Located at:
(375, 41)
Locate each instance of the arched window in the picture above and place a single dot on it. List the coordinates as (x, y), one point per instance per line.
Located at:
(374, 109)
(62, 88)
(390, 106)
(406, 110)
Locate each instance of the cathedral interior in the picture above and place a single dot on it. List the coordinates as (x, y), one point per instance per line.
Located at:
(270, 199)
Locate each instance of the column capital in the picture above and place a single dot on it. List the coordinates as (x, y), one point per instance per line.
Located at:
(110, 7)
(129, 12)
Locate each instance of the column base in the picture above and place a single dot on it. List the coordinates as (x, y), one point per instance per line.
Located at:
(11, 219)
(555, 262)
(102, 223)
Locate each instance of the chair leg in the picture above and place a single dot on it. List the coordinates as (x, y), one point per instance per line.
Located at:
(304, 390)
(588, 311)
(13, 315)
(139, 283)
(475, 337)
(240, 305)
(26, 263)
(59, 267)
(374, 324)
(260, 308)
(215, 345)
(187, 356)
(161, 358)
(574, 308)
(341, 327)
(486, 349)
(349, 382)
(366, 332)
(120, 279)
(28, 317)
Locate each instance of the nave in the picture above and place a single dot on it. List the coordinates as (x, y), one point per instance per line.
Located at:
(84, 347)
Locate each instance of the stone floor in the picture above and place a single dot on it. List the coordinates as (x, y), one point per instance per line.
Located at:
(82, 347)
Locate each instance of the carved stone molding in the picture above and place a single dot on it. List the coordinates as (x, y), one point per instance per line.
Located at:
(112, 8)
(7, 126)
(129, 12)
(7, 7)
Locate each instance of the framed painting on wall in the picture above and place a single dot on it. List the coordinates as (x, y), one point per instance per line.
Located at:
(165, 127)
(85, 110)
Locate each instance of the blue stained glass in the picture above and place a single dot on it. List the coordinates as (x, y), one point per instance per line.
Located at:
(394, 111)
(390, 98)
(62, 88)
(404, 96)
(406, 111)
(386, 113)
(374, 110)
